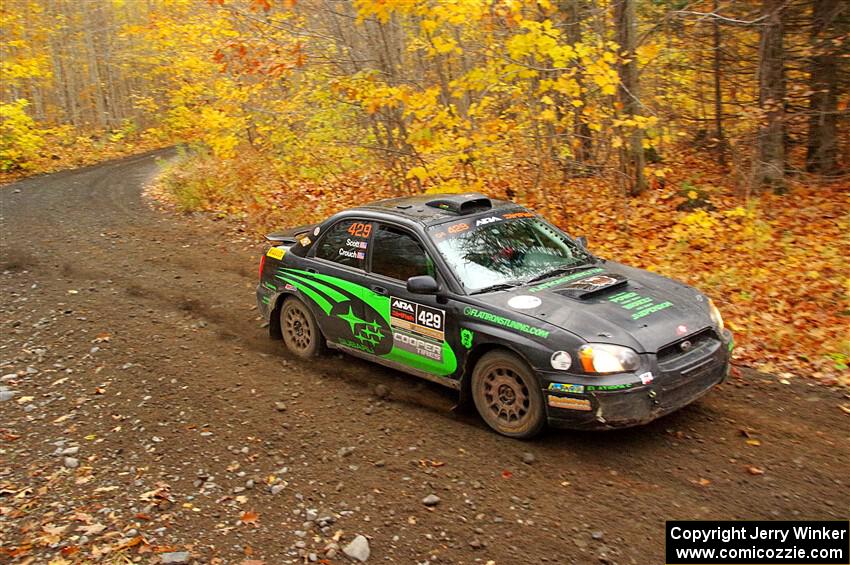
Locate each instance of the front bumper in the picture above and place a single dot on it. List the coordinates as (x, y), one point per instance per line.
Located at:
(620, 401)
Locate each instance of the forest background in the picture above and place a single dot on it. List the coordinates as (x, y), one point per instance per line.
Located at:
(706, 140)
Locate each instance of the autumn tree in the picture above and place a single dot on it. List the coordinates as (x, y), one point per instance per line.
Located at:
(628, 95)
(829, 22)
(770, 160)
(442, 95)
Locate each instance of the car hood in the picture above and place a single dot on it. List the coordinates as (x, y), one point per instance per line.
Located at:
(612, 303)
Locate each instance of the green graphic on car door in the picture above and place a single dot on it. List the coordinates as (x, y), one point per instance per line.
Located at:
(395, 329)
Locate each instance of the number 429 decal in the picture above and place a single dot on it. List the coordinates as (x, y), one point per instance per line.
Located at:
(418, 318)
(430, 318)
(359, 229)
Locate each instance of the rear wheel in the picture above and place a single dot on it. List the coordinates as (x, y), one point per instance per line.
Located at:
(301, 333)
(507, 395)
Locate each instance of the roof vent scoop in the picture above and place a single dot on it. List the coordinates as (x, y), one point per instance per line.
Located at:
(462, 204)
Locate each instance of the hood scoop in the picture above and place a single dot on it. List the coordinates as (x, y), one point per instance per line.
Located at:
(594, 284)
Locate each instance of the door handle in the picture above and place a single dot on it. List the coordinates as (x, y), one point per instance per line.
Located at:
(379, 290)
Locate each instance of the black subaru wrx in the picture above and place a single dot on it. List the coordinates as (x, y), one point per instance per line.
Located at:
(488, 298)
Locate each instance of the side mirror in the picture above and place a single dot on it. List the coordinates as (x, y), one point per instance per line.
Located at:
(423, 284)
(581, 240)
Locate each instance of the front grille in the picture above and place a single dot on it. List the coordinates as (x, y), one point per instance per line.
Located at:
(691, 384)
(686, 375)
(674, 350)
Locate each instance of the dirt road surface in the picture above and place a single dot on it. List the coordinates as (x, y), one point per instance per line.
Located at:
(145, 413)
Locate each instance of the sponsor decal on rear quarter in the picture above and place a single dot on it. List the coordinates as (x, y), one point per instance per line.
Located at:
(276, 253)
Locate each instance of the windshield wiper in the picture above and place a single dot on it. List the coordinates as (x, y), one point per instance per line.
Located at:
(495, 287)
(558, 271)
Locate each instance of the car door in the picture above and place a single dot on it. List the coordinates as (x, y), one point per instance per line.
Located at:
(334, 283)
(418, 323)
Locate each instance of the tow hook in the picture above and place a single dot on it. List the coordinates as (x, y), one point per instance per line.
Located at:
(652, 395)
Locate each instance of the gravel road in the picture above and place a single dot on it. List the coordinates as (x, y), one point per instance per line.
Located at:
(144, 412)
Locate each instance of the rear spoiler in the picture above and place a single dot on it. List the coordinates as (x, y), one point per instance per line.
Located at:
(281, 239)
(290, 236)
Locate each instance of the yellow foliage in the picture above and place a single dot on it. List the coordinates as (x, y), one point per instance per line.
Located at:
(20, 139)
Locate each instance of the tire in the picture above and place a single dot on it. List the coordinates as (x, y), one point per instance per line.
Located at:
(507, 395)
(301, 333)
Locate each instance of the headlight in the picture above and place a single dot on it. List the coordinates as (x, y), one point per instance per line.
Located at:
(606, 358)
(715, 315)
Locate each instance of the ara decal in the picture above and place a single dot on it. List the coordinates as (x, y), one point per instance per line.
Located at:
(508, 323)
(642, 305)
(417, 318)
(565, 279)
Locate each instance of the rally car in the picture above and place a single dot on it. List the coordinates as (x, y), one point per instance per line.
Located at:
(489, 298)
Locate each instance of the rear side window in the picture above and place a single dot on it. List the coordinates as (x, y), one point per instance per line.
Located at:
(398, 255)
(346, 243)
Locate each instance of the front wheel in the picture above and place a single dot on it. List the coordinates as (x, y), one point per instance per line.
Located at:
(301, 333)
(507, 395)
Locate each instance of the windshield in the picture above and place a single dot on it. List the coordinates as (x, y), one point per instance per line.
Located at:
(507, 248)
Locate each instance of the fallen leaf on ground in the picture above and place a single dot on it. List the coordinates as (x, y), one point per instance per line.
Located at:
(754, 470)
(106, 489)
(430, 463)
(249, 517)
(92, 530)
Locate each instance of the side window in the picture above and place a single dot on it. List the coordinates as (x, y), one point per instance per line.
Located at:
(345, 243)
(398, 255)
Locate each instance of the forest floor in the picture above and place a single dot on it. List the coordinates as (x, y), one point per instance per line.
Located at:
(146, 415)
